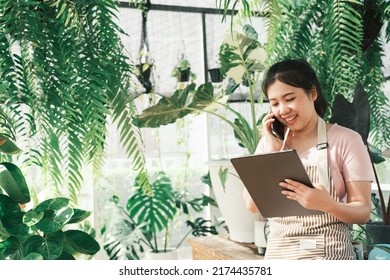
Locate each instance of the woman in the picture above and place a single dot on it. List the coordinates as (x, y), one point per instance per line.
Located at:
(335, 159)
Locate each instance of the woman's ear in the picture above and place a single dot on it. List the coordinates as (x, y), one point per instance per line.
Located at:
(313, 93)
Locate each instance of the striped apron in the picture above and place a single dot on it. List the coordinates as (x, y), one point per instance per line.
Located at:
(314, 236)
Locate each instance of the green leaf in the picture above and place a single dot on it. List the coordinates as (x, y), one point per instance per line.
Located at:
(168, 109)
(201, 227)
(66, 256)
(153, 212)
(57, 214)
(79, 215)
(52, 204)
(31, 218)
(33, 257)
(223, 173)
(14, 183)
(241, 55)
(11, 248)
(50, 246)
(203, 97)
(7, 206)
(355, 115)
(7, 146)
(376, 154)
(13, 223)
(81, 242)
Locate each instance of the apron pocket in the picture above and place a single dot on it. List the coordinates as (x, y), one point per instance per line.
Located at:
(296, 247)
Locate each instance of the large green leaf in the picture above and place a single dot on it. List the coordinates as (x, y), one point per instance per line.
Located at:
(203, 98)
(154, 212)
(31, 218)
(57, 214)
(81, 242)
(79, 215)
(241, 55)
(11, 248)
(14, 183)
(179, 105)
(7, 206)
(13, 223)
(7, 146)
(50, 246)
(355, 115)
(168, 109)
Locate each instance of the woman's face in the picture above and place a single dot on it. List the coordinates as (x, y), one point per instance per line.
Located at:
(292, 105)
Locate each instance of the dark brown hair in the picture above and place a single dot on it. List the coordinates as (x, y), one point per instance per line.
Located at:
(296, 73)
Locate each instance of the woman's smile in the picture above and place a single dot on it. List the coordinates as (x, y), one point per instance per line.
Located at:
(290, 120)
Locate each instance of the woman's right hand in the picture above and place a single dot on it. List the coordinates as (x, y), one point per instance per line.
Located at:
(272, 143)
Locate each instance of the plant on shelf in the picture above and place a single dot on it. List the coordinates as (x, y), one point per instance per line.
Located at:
(38, 233)
(146, 220)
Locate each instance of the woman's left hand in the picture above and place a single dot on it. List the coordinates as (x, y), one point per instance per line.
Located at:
(317, 198)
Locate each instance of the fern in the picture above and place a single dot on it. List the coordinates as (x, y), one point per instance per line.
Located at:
(67, 73)
(379, 103)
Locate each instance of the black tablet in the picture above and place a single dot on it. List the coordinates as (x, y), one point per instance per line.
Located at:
(261, 175)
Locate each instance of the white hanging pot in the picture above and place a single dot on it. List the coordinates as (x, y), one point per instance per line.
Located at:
(239, 220)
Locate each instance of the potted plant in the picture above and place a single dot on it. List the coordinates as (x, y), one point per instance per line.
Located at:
(143, 69)
(215, 71)
(215, 75)
(240, 54)
(356, 115)
(39, 233)
(182, 70)
(146, 221)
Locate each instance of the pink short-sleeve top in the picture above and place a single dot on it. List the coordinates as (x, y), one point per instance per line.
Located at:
(348, 158)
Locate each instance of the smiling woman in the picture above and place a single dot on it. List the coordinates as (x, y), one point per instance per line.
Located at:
(335, 159)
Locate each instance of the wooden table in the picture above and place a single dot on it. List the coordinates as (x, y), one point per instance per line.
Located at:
(217, 247)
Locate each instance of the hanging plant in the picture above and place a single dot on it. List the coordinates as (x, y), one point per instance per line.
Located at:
(68, 74)
(144, 69)
(182, 70)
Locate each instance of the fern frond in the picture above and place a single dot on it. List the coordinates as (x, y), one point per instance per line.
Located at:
(344, 37)
(373, 79)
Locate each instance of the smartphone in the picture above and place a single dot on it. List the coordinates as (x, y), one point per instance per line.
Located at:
(277, 128)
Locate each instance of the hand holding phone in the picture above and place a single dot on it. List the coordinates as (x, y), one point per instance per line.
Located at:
(278, 128)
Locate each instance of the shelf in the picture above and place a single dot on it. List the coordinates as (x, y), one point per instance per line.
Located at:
(217, 247)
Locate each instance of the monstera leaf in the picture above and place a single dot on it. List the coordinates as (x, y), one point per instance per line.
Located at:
(153, 212)
(355, 115)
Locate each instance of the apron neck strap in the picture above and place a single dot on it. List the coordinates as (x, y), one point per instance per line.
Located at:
(322, 147)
